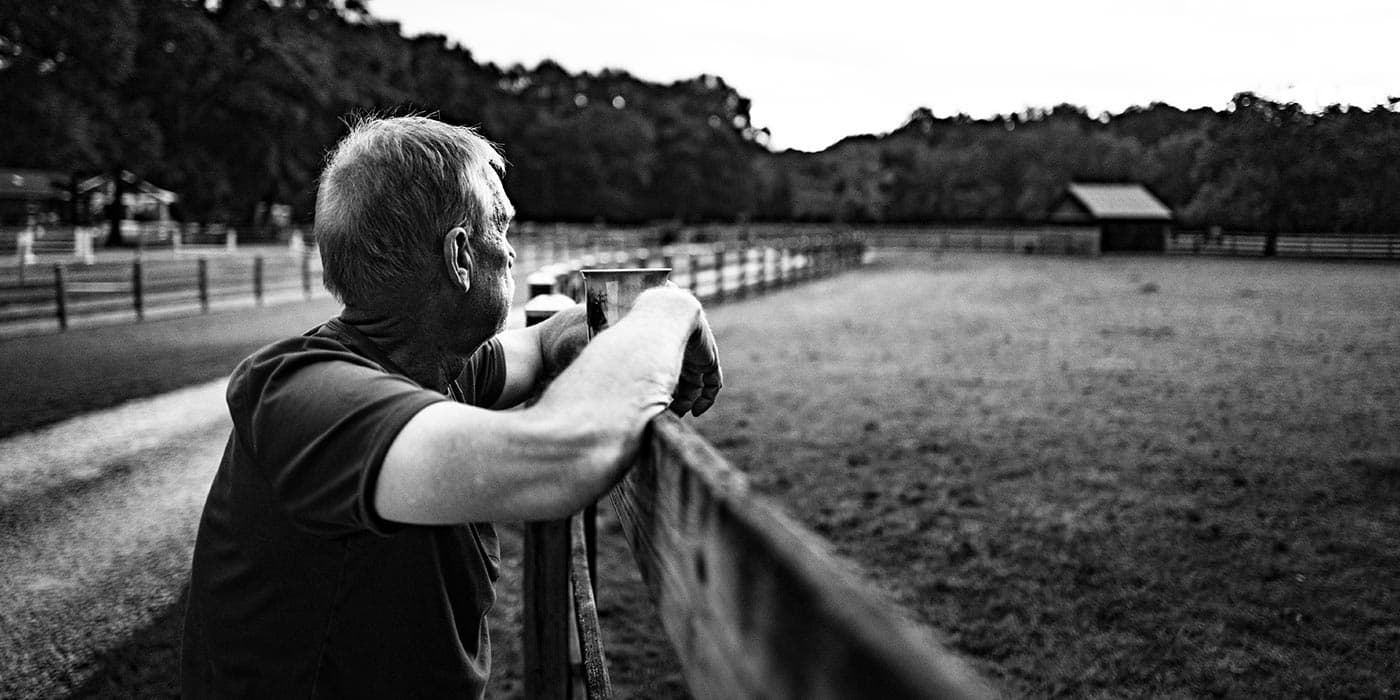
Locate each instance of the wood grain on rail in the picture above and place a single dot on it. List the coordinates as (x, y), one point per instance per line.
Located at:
(596, 682)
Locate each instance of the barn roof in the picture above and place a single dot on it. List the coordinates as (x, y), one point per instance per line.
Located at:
(1119, 201)
(136, 185)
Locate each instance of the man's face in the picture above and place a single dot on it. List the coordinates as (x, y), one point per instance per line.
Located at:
(493, 274)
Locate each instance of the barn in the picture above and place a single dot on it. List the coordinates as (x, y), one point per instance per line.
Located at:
(1129, 217)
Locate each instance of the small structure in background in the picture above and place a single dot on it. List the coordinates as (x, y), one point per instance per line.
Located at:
(1129, 217)
(140, 200)
(27, 196)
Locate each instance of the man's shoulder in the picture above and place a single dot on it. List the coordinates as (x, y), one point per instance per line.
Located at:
(297, 357)
(307, 349)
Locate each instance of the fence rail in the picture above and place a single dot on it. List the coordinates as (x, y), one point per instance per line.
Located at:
(751, 601)
(41, 298)
(1377, 246)
(1047, 240)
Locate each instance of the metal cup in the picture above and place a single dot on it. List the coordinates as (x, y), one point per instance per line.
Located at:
(610, 294)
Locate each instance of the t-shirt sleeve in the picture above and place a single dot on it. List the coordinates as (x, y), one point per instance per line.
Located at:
(484, 378)
(318, 423)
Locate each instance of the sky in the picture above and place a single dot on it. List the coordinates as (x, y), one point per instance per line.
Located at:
(819, 71)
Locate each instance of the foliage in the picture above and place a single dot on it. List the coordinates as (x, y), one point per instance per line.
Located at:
(1258, 165)
(233, 104)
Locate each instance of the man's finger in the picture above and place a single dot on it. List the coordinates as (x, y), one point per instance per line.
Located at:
(713, 381)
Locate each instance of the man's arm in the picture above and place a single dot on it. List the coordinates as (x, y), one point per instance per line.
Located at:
(454, 463)
(542, 351)
(538, 352)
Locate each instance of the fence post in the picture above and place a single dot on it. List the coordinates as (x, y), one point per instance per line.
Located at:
(258, 280)
(24, 248)
(60, 296)
(545, 609)
(545, 597)
(138, 296)
(763, 267)
(794, 250)
(693, 276)
(719, 272)
(82, 245)
(203, 269)
(744, 254)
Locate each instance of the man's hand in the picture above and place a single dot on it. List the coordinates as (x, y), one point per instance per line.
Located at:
(565, 334)
(701, 376)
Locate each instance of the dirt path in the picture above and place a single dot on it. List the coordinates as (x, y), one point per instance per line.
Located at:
(97, 519)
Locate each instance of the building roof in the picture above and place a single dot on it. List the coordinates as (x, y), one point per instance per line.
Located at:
(20, 183)
(1125, 201)
(135, 184)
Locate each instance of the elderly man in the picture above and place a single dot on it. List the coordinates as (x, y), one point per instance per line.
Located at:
(345, 548)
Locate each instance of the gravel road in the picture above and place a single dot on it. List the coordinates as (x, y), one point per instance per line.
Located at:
(97, 522)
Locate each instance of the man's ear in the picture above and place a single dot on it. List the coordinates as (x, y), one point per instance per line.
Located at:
(457, 257)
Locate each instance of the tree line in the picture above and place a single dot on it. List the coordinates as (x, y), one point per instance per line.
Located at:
(1256, 165)
(234, 104)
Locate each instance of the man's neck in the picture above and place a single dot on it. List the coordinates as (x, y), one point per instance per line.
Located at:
(409, 343)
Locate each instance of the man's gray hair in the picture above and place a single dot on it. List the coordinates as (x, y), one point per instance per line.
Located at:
(392, 188)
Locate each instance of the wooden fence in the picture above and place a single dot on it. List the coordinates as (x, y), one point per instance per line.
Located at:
(751, 601)
(1029, 239)
(48, 297)
(1377, 246)
(66, 280)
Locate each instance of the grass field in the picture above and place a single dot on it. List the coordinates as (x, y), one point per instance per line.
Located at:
(1117, 477)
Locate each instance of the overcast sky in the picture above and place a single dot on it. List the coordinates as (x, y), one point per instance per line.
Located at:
(817, 71)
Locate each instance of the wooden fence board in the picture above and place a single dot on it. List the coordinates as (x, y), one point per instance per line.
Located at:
(1289, 245)
(597, 684)
(753, 604)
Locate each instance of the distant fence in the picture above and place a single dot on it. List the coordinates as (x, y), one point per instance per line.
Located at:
(50, 297)
(1287, 245)
(1030, 239)
(57, 288)
(33, 245)
(751, 602)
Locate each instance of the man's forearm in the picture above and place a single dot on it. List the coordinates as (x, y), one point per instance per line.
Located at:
(453, 463)
(626, 375)
(534, 353)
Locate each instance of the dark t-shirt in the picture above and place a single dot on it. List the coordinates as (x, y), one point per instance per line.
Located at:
(298, 588)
